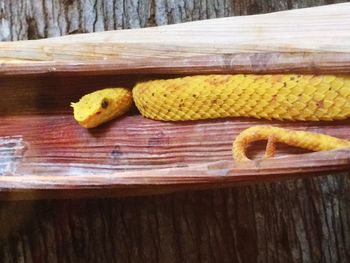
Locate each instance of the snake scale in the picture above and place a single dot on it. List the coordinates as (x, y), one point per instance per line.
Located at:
(280, 96)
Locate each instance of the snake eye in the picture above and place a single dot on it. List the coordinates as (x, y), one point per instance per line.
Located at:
(104, 103)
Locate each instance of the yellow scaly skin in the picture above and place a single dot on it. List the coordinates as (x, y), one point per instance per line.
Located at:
(306, 140)
(101, 106)
(282, 97)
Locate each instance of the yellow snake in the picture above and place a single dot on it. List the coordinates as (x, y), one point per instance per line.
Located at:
(280, 96)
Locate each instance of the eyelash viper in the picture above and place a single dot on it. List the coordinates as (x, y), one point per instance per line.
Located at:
(281, 97)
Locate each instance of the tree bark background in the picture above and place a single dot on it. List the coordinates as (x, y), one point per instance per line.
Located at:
(305, 220)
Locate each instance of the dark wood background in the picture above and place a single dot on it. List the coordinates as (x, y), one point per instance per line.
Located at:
(304, 220)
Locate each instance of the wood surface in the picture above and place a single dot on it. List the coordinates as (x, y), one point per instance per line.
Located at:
(127, 160)
(258, 43)
(290, 221)
(42, 146)
(266, 43)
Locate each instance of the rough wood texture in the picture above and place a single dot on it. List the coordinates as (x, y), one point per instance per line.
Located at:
(181, 152)
(40, 19)
(299, 221)
(167, 158)
(134, 144)
(256, 44)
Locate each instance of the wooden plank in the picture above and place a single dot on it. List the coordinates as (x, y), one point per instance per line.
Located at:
(131, 143)
(42, 148)
(54, 153)
(41, 142)
(257, 44)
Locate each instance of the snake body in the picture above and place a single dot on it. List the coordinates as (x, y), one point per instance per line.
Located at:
(281, 97)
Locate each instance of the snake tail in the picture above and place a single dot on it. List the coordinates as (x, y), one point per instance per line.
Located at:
(306, 140)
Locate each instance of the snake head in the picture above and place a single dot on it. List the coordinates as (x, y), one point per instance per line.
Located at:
(101, 106)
